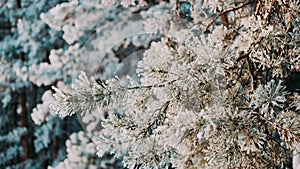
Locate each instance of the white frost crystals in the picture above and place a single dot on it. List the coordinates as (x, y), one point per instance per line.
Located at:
(83, 97)
(202, 100)
(151, 125)
(269, 95)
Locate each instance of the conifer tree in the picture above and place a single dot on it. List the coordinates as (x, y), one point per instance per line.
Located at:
(25, 41)
(213, 94)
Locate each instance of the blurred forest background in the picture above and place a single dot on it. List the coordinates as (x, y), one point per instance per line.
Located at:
(40, 44)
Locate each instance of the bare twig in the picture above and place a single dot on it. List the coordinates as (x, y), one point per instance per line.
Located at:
(225, 12)
(251, 76)
(150, 86)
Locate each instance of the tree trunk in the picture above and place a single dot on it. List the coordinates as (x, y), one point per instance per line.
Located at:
(24, 122)
(55, 147)
(18, 4)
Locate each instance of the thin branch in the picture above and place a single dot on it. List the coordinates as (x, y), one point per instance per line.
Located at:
(239, 76)
(149, 86)
(251, 76)
(177, 4)
(225, 12)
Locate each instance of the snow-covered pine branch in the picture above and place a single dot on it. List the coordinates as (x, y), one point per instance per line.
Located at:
(209, 96)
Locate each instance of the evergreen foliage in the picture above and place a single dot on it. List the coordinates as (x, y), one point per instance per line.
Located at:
(210, 95)
(153, 84)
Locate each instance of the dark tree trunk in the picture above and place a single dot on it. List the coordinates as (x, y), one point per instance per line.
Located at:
(18, 4)
(55, 147)
(24, 122)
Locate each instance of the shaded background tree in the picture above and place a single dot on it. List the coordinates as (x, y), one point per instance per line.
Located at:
(40, 44)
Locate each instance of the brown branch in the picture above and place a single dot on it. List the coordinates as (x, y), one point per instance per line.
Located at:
(251, 76)
(225, 13)
(224, 20)
(238, 78)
